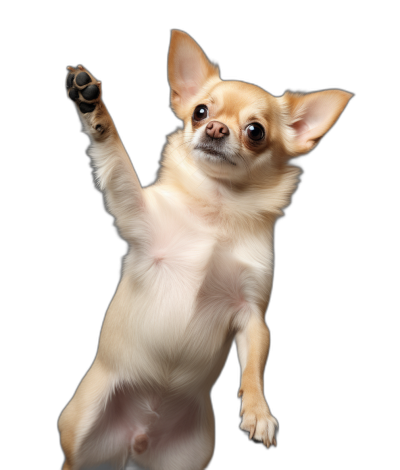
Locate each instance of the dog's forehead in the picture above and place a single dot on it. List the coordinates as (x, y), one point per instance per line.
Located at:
(240, 99)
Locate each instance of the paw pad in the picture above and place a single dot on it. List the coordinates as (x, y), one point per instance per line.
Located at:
(70, 80)
(82, 78)
(91, 92)
(80, 93)
(86, 107)
(73, 94)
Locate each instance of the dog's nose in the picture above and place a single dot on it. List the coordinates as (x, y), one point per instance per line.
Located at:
(216, 129)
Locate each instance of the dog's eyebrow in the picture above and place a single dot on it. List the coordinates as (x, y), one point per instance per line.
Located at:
(211, 98)
(253, 117)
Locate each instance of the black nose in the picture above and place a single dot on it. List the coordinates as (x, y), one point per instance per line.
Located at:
(216, 129)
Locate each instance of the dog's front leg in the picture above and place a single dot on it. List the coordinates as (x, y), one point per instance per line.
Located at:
(253, 346)
(114, 172)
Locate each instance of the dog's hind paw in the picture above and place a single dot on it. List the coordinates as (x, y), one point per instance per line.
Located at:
(83, 89)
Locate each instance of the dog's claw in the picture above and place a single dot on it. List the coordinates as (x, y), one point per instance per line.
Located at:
(252, 440)
(252, 431)
(258, 421)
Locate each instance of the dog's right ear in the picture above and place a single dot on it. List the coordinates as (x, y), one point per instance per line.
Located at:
(189, 71)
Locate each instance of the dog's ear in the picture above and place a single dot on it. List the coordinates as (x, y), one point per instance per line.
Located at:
(189, 71)
(310, 116)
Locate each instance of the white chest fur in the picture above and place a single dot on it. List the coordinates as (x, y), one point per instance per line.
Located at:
(185, 288)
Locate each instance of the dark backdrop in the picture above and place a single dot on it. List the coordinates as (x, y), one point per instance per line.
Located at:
(316, 366)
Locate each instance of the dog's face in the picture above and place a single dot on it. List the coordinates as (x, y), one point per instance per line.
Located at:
(235, 130)
(231, 130)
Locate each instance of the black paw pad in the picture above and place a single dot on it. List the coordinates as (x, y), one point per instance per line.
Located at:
(82, 79)
(74, 94)
(91, 92)
(70, 80)
(86, 107)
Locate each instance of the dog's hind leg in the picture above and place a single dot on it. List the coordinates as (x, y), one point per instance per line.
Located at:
(114, 172)
(189, 443)
(82, 416)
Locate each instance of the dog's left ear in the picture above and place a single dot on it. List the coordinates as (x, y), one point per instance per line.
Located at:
(189, 71)
(310, 116)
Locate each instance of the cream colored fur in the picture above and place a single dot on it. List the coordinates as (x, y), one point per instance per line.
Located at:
(198, 273)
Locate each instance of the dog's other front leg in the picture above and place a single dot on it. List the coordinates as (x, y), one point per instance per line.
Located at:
(253, 346)
(113, 169)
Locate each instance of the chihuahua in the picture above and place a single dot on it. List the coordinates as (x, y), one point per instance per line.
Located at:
(198, 272)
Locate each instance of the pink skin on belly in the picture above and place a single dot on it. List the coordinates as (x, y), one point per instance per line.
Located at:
(138, 422)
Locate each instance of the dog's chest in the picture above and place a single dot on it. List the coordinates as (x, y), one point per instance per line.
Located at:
(190, 267)
(184, 289)
(194, 271)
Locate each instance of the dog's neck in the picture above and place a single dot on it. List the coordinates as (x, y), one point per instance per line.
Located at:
(219, 198)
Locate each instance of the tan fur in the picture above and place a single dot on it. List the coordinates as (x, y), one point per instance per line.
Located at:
(198, 272)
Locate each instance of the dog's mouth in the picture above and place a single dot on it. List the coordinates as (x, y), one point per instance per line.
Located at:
(211, 150)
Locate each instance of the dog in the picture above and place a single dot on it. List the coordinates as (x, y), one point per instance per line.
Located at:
(198, 272)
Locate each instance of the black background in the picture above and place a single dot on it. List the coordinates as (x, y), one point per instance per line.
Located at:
(315, 375)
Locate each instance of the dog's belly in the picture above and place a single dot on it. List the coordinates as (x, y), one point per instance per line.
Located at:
(162, 364)
(144, 422)
(170, 332)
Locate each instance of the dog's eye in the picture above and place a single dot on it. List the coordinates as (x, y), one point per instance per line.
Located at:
(255, 131)
(200, 112)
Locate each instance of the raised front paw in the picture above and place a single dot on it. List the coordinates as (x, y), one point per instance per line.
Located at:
(258, 421)
(83, 88)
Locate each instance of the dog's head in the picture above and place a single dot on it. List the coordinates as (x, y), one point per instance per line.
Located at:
(236, 130)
